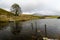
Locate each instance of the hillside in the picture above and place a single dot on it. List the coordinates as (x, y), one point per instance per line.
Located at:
(8, 16)
(4, 12)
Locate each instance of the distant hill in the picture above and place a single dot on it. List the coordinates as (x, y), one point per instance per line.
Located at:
(38, 14)
(46, 16)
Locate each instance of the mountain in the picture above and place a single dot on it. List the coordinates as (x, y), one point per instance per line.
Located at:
(38, 14)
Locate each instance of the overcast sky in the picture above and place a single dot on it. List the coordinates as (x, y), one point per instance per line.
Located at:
(46, 7)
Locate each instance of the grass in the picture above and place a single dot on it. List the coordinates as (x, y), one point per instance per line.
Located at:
(4, 12)
(51, 17)
(8, 16)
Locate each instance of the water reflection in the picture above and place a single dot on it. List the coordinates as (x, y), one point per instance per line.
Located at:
(16, 27)
(17, 31)
(24, 29)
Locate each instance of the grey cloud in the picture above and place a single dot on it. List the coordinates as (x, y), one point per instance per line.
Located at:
(32, 6)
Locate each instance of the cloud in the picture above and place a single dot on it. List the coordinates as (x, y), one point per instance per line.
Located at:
(34, 5)
(27, 13)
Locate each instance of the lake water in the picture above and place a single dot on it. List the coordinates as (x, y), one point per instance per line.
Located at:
(53, 28)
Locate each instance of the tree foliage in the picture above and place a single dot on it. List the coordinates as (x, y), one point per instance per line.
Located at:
(16, 9)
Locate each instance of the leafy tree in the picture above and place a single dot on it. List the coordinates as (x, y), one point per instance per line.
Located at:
(16, 9)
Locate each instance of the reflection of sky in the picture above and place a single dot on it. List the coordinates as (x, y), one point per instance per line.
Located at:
(52, 24)
(48, 7)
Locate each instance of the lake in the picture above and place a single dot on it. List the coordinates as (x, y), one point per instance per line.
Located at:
(52, 28)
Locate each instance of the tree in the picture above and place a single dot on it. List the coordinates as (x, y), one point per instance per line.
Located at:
(16, 9)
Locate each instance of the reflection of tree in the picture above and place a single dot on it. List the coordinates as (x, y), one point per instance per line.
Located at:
(16, 28)
(3, 24)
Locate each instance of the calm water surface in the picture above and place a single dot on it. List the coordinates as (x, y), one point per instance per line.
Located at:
(53, 28)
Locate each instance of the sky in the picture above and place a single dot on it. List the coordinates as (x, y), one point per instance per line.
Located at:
(46, 7)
